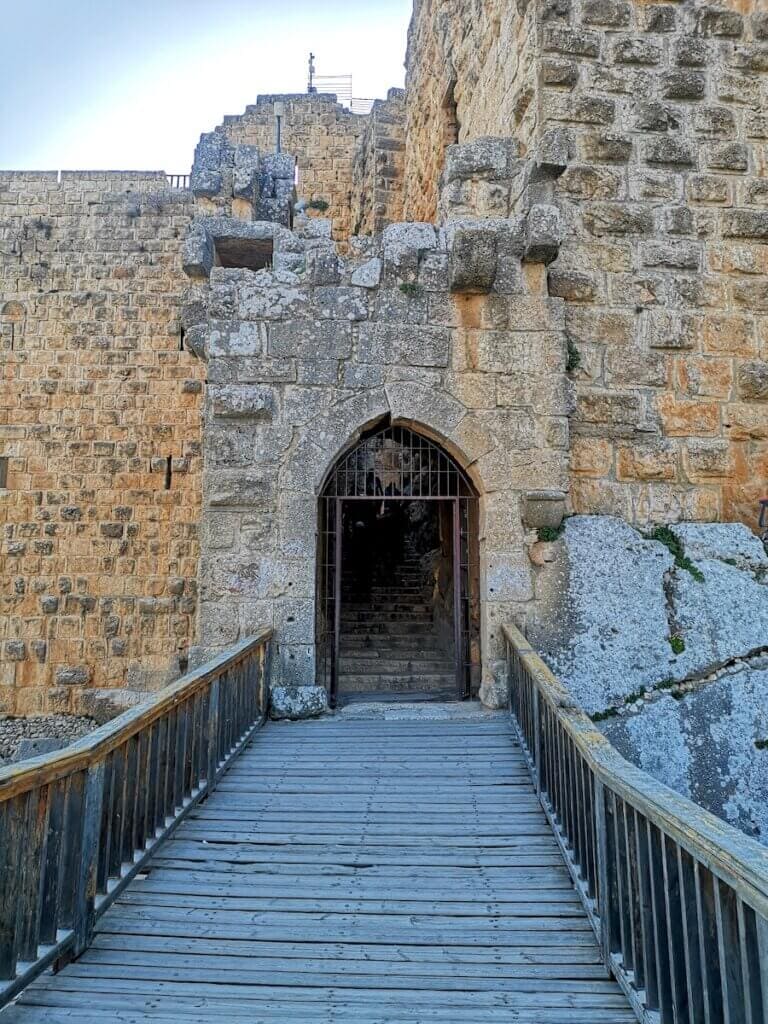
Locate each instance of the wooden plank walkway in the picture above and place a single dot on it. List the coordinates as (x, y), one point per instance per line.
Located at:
(364, 869)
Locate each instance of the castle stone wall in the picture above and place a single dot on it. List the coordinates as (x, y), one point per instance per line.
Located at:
(321, 134)
(470, 72)
(659, 112)
(98, 560)
(302, 358)
(379, 172)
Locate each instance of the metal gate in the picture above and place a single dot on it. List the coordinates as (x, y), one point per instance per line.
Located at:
(394, 463)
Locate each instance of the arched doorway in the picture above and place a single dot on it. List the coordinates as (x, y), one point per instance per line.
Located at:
(398, 609)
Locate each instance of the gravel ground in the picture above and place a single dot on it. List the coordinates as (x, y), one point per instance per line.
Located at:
(65, 727)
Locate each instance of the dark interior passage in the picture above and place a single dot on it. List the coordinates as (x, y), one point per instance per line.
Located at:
(397, 623)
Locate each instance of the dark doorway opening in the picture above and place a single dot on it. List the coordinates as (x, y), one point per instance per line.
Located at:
(398, 607)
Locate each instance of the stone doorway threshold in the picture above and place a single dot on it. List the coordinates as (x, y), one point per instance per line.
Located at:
(389, 710)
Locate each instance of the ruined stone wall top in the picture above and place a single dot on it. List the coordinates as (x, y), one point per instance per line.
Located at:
(321, 133)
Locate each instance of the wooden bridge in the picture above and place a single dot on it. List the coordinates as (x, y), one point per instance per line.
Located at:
(184, 865)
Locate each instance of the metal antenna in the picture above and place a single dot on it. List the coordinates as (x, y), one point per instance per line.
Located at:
(311, 86)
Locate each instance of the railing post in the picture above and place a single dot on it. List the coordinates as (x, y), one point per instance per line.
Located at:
(603, 887)
(213, 733)
(85, 885)
(536, 738)
(762, 959)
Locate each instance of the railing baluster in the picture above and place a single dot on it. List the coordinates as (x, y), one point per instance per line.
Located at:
(49, 899)
(34, 858)
(674, 930)
(12, 838)
(687, 875)
(85, 879)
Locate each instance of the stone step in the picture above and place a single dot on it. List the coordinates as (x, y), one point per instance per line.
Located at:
(388, 697)
(378, 629)
(386, 683)
(376, 607)
(395, 666)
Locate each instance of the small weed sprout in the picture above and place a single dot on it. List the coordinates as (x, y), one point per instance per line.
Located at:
(411, 290)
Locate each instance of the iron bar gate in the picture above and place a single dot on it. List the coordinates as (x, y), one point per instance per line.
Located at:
(394, 464)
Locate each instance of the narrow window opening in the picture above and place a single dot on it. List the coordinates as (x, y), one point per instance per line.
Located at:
(244, 253)
(182, 333)
(3, 472)
(168, 473)
(451, 125)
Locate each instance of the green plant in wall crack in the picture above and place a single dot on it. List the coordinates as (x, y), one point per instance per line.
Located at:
(572, 358)
(761, 744)
(320, 205)
(665, 536)
(411, 290)
(677, 644)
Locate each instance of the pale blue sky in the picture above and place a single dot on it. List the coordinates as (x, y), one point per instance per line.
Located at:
(131, 84)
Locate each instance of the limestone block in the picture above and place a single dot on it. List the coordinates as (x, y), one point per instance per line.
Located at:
(206, 179)
(311, 339)
(246, 170)
(368, 275)
(544, 233)
(403, 245)
(73, 675)
(199, 253)
(235, 338)
(507, 577)
(236, 488)
(297, 702)
(399, 343)
(242, 401)
(484, 157)
(413, 402)
(340, 303)
(544, 509)
(323, 268)
(105, 704)
(473, 257)
(753, 381)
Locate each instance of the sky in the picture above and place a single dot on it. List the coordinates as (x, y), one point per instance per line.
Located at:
(131, 84)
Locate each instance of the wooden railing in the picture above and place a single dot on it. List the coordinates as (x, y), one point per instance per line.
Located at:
(678, 898)
(77, 826)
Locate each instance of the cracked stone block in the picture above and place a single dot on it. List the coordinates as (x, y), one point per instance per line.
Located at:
(211, 155)
(721, 541)
(297, 702)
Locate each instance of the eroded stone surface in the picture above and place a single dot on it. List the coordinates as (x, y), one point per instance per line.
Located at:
(697, 718)
(297, 702)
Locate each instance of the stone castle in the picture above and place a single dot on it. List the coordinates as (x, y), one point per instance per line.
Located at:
(546, 257)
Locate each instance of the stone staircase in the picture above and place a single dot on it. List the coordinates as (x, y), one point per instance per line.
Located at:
(390, 645)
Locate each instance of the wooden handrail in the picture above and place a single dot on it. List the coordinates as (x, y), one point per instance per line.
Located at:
(77, 826)
(673, 892)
